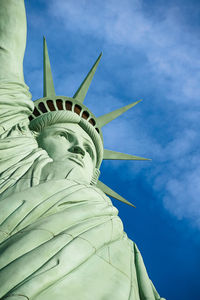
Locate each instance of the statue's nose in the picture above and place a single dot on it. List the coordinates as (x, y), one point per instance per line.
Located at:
(78, 150)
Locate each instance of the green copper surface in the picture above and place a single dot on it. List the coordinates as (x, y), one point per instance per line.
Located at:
(48, 85)
(82, 90)
(107, 118)
(109, 154)
(60, 235)
(72, 150)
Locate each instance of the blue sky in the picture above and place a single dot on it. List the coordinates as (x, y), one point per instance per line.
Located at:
(150, 52)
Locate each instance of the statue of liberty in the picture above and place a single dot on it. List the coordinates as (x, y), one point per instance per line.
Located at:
(60, 236)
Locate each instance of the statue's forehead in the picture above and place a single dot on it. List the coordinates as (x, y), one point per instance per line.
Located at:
(73, 128)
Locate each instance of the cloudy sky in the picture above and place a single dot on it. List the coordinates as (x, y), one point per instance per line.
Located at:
(151, 52)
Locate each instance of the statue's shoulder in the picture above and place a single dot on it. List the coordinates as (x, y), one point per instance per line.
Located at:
(101, 193)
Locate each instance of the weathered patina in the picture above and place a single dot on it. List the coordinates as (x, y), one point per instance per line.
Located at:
(60, 235)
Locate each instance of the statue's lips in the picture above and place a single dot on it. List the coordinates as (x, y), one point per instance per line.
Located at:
(77, 160)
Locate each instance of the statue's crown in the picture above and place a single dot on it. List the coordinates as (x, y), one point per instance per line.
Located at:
(53, 109)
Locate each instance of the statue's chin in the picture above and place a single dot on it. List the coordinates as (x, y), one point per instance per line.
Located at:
(68, 169)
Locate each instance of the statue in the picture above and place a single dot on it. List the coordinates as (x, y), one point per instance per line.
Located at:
(60, 235)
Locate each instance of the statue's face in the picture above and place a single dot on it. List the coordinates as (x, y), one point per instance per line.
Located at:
(71, 147)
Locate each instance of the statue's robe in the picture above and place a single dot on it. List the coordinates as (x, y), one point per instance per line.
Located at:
(59, 239)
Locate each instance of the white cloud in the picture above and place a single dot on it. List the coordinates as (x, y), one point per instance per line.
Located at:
(168, 51)
(182, 198)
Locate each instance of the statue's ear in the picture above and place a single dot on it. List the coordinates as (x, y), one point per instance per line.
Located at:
(95, 176)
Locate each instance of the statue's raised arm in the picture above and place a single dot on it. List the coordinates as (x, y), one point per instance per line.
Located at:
(12, 39)
(15, 104)
(16, 140)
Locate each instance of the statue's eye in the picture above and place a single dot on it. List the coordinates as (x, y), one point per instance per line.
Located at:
(90, 151)
(64, 134)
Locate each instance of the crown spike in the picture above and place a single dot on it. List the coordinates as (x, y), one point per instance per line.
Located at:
(83, 88)
(108, 154)
(112, 193)
(48, 86)
(105, 119)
